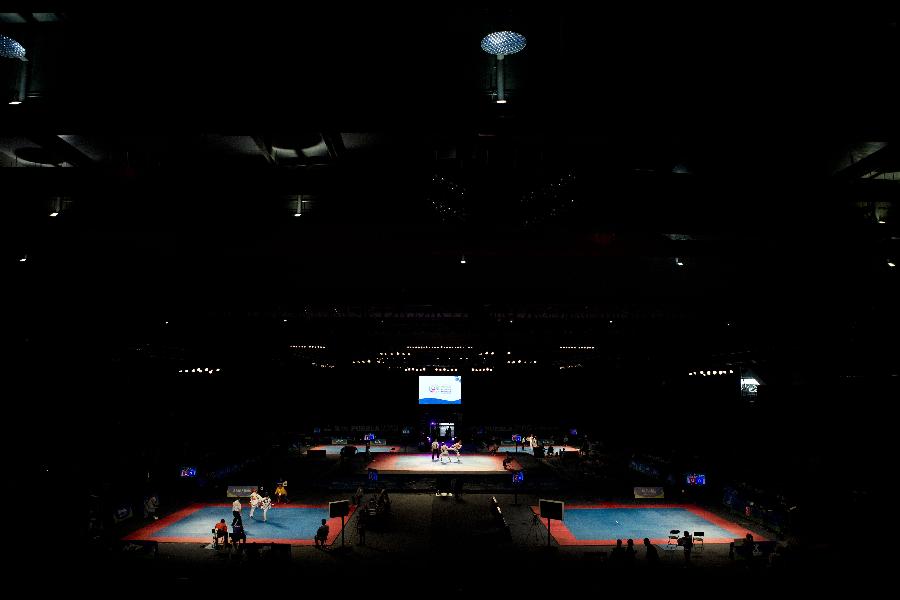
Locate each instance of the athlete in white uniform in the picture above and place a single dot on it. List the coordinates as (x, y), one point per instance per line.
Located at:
(444, 453)
(265, 504)
(456, 448)
(254, 502)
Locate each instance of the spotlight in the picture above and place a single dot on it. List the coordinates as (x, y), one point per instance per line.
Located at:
(890, 263)
(54, 214)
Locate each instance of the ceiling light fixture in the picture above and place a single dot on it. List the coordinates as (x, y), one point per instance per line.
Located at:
(10, 48)
(500, 44)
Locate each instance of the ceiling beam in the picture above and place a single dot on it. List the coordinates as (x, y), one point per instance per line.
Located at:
(334, 143)
(264, 143)
(61, 148)
(875, 157)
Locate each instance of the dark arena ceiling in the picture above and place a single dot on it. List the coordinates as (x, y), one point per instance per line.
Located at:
(655, 188)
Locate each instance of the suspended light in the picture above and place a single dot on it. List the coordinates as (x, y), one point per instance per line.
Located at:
(10, 48)
(501, 43)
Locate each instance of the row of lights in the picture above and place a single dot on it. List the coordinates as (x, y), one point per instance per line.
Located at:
(204, 370)
(577, 347)
(362, 362)
(393, 354)
(564, 367)
(487, 353)
(323, 366)
(445, 370)
(414, 369)
(519, 362)
(719, 372)
(483, 370)
(309, 347)
(439, 347)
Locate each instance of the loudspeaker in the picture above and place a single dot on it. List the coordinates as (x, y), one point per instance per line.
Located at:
(339, 508)
(552, 509)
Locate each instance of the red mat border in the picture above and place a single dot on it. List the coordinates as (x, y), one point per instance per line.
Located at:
(148, 533)
(566, 538)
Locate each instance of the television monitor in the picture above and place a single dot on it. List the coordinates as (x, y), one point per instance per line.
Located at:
(518, 477)
(517, 438)
(373, 474)
(369, 437)
(189, 472)
(440, 389)
(696, 479)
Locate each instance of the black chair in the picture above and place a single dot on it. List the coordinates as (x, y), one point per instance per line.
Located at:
(698, 537)
(672, 543)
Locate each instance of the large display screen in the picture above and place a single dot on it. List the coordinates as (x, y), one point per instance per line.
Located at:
(440, 389)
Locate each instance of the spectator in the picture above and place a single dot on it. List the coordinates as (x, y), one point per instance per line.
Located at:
(652, 554)
(507, 460)
(629, 553)
(617, 556)
(550, 450)
(747, 546)
(222, 531)
(151, 504)
(321, 538)
(687, 542)
(358, 495)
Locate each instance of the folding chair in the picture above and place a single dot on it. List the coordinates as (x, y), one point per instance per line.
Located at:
(673, 539)
(698, 537)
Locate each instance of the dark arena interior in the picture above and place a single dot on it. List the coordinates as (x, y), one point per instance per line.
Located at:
(633, 275)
